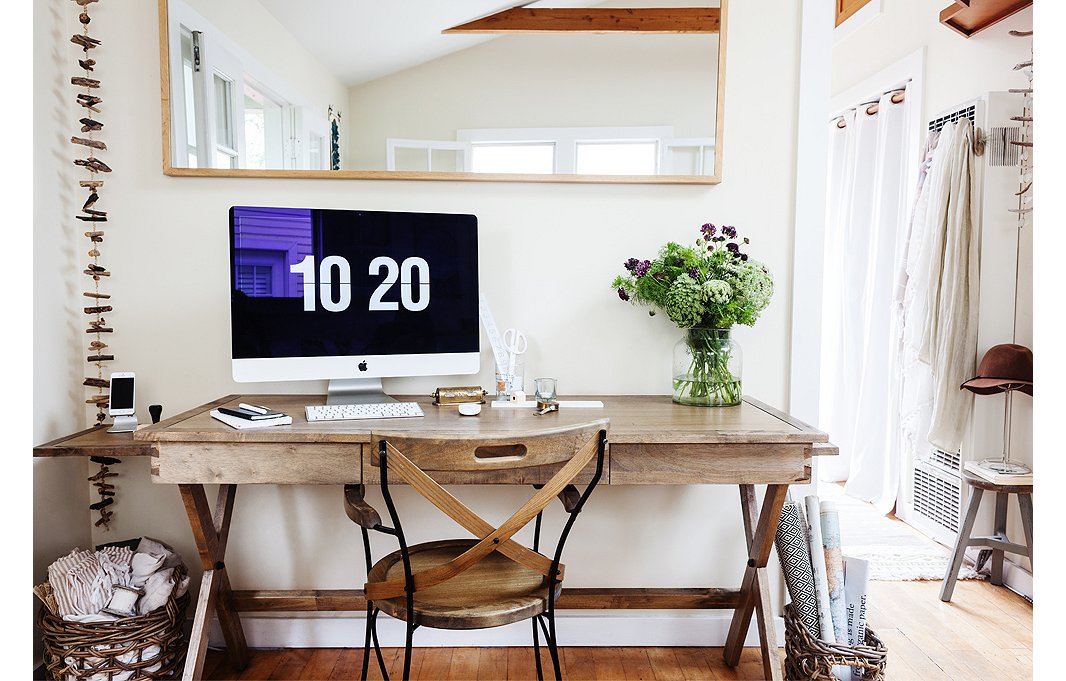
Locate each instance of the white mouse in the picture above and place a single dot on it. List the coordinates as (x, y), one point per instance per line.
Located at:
(470, 408)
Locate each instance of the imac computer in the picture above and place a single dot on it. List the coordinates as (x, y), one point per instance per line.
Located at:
(352, 296)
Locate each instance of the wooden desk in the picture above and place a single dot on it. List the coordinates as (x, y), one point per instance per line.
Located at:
(652, 442)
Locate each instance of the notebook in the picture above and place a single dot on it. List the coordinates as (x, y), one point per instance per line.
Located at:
(246, 424)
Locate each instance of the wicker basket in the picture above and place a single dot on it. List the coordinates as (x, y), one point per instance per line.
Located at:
(148, 646)
(808, 659)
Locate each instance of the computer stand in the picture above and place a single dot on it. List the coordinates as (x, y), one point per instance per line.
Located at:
(356, 391)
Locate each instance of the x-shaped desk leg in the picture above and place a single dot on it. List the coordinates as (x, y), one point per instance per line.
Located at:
(211, 532)
(759, 530)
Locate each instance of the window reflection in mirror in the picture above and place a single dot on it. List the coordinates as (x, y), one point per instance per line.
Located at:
(253, 82)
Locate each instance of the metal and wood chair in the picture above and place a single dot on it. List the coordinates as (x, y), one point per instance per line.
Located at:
(491, 580)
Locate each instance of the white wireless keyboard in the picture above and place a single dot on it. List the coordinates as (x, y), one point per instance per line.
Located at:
(349, 412)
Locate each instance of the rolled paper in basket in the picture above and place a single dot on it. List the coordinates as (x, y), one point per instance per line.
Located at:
(794, 552)
(821, 585)
(834, 569)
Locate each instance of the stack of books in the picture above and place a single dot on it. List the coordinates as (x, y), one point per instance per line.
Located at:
(248, 416)
(996, 477)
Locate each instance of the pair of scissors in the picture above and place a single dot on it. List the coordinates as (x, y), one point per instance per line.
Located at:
(515, 342)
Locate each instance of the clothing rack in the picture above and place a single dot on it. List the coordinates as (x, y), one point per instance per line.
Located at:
(1023, 143)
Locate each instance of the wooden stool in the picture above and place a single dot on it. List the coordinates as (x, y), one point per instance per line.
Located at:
(997, 542)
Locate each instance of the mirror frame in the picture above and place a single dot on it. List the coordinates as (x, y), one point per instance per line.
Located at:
(460, 176)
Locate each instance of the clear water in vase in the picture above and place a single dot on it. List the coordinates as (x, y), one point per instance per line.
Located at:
(707, 368)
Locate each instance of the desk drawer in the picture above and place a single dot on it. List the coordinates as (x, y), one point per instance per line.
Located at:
(533, 475)
(283, 463)
(695, 464)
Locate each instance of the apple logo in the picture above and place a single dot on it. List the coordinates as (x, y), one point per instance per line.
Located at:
(362, 365)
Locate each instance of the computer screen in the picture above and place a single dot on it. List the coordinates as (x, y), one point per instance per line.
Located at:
(325, 293)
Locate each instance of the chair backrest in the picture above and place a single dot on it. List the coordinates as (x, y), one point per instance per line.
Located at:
(571, 447)
(490, 451)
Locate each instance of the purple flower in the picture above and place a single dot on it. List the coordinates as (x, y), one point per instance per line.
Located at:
(694, 273)
(746, 240)
(744, 257)
(732, 247)
(708, 231)
(659, 276)
(641, 268)
(622, 293)
(730, 231)
(631, 264)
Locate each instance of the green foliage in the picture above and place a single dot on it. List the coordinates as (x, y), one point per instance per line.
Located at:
(711, 283)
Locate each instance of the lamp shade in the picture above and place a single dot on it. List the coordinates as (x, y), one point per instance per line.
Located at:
(1004, 367)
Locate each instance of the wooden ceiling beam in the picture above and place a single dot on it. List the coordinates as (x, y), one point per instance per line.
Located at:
(596, 20)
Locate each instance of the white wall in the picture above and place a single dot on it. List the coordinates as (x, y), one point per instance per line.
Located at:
(250, 25)
(167, 248)
(60, 492)
(534, 81)
(956, 70)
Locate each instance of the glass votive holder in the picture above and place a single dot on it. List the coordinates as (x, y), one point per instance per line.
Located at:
(544, 389)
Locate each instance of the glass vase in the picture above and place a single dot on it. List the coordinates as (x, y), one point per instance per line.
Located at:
(707, 368)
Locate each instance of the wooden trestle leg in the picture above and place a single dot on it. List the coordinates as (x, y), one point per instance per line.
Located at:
(211, 532)
(754, 589)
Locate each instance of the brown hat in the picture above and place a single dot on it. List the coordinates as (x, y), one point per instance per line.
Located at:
(1004, 367)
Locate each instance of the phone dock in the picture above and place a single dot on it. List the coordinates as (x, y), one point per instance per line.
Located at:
(124, 424)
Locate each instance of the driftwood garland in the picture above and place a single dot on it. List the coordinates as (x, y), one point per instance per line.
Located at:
(85, 98)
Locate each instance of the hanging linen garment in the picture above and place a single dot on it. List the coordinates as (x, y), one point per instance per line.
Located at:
(914, 388)
(949, 344)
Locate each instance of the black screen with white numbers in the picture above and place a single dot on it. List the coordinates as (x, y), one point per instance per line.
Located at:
(318, 282)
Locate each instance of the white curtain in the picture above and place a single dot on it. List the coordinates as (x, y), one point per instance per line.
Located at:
(866, 215)
(900, 301)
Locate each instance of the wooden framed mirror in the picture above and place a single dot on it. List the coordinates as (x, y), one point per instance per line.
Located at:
(627, 91)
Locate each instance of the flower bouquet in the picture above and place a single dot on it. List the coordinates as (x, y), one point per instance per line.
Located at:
(705, 289)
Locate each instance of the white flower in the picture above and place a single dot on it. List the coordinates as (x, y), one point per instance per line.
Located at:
(717, 291)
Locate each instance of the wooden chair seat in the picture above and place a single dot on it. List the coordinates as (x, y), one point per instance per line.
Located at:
(494, 592)
(989, 486)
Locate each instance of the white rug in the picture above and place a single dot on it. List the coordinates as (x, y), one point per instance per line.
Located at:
(896, 551)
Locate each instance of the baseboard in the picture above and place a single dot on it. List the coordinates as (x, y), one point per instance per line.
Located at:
(577, 629)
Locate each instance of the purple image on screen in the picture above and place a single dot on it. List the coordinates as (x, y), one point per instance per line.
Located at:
(267, 242)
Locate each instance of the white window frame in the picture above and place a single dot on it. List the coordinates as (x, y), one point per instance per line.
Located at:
(218, 53)
(703, 146)
(287, 155)
(564, 139)
(393, 144)
(219, 63)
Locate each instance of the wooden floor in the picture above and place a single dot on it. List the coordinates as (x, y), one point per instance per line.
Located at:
(986, 633)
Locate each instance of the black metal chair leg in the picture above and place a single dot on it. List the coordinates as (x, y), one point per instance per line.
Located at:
(366, 644)
(536, 647)
(377, 646)
(552, 648)
(407, 652)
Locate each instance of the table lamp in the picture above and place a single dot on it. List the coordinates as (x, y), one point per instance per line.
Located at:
(1004, 369)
